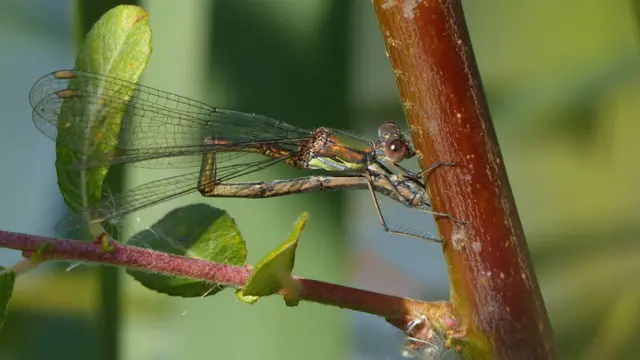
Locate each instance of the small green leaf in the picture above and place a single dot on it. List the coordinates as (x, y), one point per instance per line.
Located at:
(197, 231)
(247, 299)
(118, 45)
(273, 272)
(7, 280)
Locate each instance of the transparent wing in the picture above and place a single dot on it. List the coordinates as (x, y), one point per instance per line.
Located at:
(158, 191)
(155, 124)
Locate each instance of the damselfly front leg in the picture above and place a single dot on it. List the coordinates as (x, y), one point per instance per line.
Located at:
(414, 193)
(417, 176)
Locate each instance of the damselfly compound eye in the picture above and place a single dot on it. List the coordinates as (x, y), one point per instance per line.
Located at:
(396, 150)
(388, 130)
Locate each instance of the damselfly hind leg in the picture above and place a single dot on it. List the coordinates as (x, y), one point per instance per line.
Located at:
(383, 222)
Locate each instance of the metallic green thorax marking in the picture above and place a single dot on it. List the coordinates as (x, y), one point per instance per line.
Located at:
(341, 152)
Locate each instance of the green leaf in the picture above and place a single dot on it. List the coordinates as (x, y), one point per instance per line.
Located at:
(196, 231)
(7, 280)
(273, 272)
(118, 45)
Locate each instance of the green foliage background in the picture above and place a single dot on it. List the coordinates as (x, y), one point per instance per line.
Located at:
(564, 88)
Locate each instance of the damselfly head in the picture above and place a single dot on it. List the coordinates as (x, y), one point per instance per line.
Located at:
(393, 143)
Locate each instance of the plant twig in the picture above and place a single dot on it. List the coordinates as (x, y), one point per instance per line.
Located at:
(397, 310)
(493, 286)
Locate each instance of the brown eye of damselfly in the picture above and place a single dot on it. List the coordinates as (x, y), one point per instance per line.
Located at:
(395, 150)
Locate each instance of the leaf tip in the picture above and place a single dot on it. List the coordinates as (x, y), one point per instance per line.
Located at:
(247, 299)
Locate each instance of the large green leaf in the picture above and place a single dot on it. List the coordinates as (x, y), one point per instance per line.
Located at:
(197, 231)
(118, 45)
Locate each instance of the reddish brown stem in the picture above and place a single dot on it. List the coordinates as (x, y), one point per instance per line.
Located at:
(396, 309)
(493, 286)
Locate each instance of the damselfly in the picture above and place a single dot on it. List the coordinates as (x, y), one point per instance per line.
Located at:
(163, 130)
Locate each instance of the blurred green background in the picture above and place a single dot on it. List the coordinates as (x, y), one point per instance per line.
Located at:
(563, 81)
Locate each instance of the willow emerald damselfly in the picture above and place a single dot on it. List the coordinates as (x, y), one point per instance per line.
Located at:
(165, 131)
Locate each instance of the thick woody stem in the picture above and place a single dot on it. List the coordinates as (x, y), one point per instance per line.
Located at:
(493, 285)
